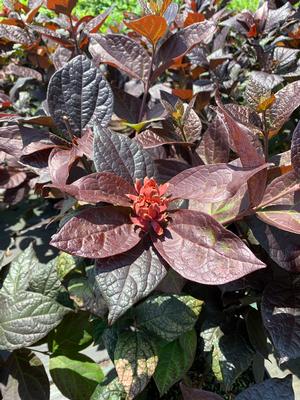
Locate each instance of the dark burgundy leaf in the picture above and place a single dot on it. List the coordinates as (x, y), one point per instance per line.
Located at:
(157, 137)
(100, 186)
(270, 389)
(60, 57)
(81, 95)
(14, 34)
(118, 154)
(60, 163)
(11, 178)
(95, 23)
(25, 72)
(97, 233)
(125, 279)
(202, 250)
(286, 102)
(281, 316)
(126, 106)
(197, 394)
(275, 17)
(210, 183)
(10, 140)
(122, 52)
(167, 169)
(214, 146)
(282, 246)
(286, 218)
(295, 150)
(181, 42)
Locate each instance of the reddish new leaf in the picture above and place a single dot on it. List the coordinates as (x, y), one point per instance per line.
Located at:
(95, 23)
(153, 27)
(61, 6)
(210, 183)
(202, 250)
(97, 233)
(121, 52)
(97, 187)
(295, 150)
(60, 163)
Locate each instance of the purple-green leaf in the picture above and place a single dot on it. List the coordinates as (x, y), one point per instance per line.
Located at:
(202, 250)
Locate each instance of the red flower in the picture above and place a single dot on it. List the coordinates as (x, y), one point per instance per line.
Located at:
(150, 206)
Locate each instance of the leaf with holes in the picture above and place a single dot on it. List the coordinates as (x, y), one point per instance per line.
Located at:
(135, 361)
(97, 233)
(168, 315)
(125, 279)
(118, 154)
(78, 95)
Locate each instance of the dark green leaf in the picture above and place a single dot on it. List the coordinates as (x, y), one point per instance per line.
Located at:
(112, 391)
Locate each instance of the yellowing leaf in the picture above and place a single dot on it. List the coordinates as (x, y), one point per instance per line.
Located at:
(265, 103)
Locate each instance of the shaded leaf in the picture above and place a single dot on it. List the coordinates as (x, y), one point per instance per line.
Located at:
(23, 377)
(79, 93)
(125, 279)
(256, 332)
(295, 150)
(168, 316)
(153, 27)
(75, 374)
(197, 394)
(135, 361)
(231, 356)
(269, 389)
(202, 250)
(123, 53)
(174, 361)
(97, 233)
(26, 318)
(118, 154)
(282, 246)
(181, 42)
(281, 316)
(72, 334)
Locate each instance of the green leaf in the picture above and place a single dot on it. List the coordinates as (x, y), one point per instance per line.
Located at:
(168, 316)
(75, 375)
(27, 318)
(23, 377)
(65, 263)
(125, 279)
(81, 291)
(135, 361)
(45, 280)
(231, 356)
(20, 272)
(112, 391)
(256, 332)
(74, 333)
(174, 360)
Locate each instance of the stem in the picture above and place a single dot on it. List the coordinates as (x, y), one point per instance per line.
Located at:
(147, 86)
(74, 35)
(266, 136)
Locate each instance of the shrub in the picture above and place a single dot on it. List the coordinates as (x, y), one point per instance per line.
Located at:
(148, 203)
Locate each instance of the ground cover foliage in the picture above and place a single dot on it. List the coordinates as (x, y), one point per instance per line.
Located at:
(150, 186)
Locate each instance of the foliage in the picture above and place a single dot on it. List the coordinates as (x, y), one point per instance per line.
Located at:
(148, 205)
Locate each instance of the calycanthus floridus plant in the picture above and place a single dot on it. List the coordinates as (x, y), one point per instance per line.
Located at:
(173, 218)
